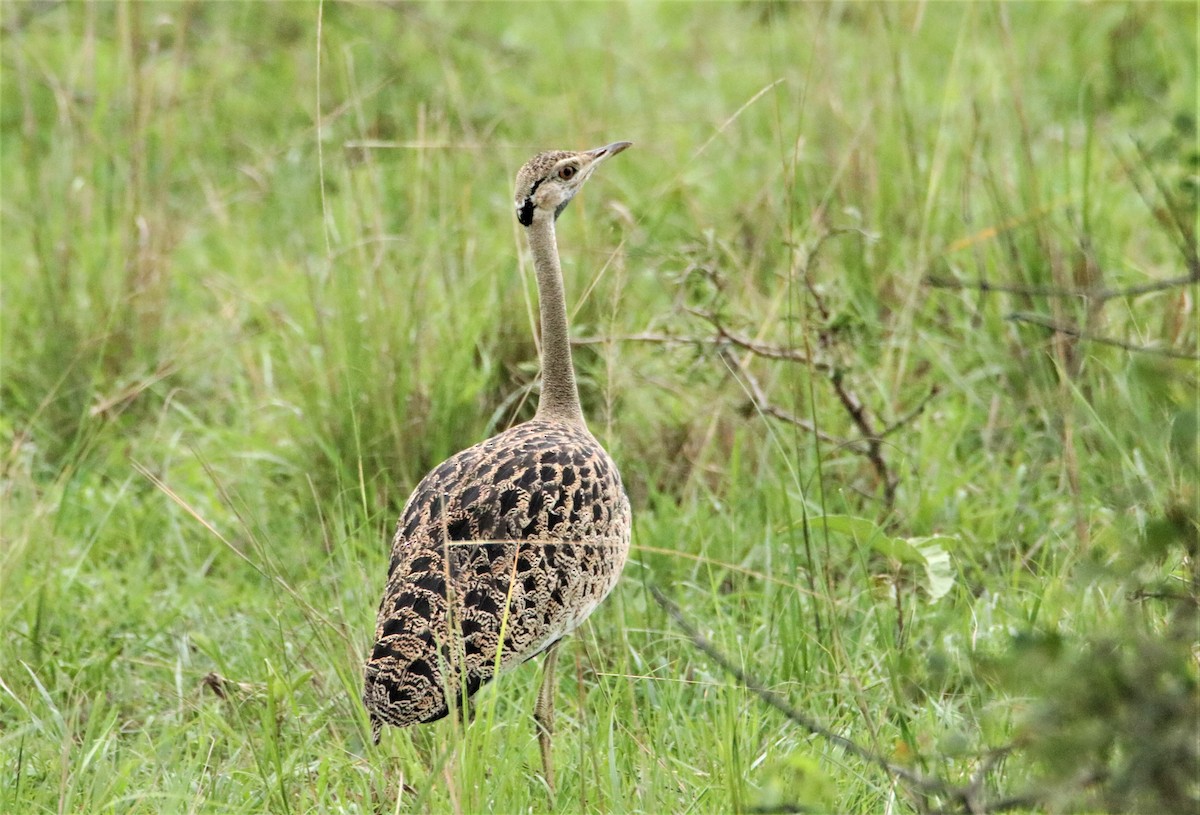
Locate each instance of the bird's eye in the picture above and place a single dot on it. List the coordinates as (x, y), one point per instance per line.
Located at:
(567, 173)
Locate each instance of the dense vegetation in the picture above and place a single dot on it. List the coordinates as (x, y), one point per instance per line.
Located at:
(889, 317)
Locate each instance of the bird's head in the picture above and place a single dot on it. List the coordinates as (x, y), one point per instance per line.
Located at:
(548, 181)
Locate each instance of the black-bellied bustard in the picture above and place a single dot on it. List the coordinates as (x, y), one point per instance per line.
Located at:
(506, 547)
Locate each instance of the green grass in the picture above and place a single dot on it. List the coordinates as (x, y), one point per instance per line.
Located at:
(234, 336)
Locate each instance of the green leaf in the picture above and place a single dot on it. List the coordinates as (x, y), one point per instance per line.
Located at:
(860, 528)
(929, 552)
(939, 571)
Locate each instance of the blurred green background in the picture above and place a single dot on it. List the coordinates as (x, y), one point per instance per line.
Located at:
(260, 272)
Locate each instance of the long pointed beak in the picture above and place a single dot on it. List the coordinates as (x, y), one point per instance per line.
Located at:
(608, 150)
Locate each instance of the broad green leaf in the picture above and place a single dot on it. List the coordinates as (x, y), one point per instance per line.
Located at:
(939, 571)
(927, 552)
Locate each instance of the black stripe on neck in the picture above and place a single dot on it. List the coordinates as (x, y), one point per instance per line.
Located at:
(525, 213)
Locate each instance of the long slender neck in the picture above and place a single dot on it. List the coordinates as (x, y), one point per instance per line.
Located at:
(560, 397)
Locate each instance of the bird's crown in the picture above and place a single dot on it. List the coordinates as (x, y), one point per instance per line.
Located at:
(548, 181)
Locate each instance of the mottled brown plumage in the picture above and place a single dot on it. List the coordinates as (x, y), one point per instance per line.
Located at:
(508, 546)
(531, 525)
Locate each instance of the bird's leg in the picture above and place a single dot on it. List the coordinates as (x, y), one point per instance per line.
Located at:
(466, 711)
(543, 714)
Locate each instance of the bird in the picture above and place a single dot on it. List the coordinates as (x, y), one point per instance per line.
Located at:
(506, 547)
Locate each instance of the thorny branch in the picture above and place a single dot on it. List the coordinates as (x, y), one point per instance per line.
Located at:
(725, 336)
(1045, 322)
(759, 397)
(968, 800)
(939, 282)
(916, 411)
(1184, 238)
(776, 701)
(870, 442)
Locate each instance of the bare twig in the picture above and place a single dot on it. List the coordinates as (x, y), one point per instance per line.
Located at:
(912, 414)
(966, 799)
(1101, 294)
(862, 421)
(853, 405)
(759, 397)
(870, 445)
(645, 336)
(1038, 320)
(973, 792)
(1182, 234)
(1144, 594)
(723, 337)
(1028, 799)
(776, 701)
(757, 348)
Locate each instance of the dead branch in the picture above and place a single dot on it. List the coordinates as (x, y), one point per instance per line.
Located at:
(1101, 294)
(776, 701)
(645, 336)
(874, 440)
(934, 390)
(725, 335)
(759, 397)
(1071, 331)
(967, 800)
(870, 445)
(1031, 798)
